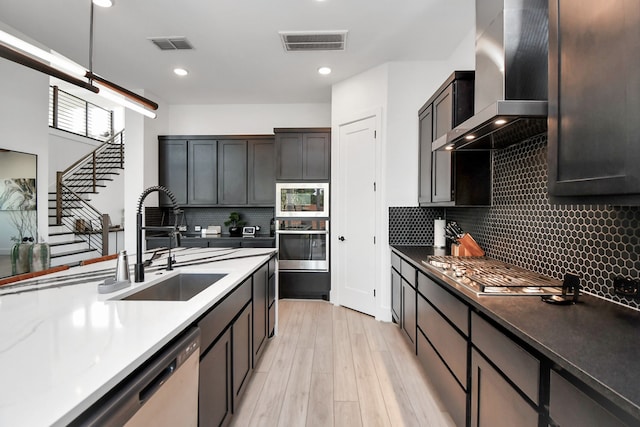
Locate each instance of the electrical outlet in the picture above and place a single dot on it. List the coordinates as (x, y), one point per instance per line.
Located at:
(626, 287)
(197, 228)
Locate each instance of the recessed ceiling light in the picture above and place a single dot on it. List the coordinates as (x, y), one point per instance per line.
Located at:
(103, 3)
(180, 71)
(470, 137)
(324, 70)
(449, 147)
(500, 122)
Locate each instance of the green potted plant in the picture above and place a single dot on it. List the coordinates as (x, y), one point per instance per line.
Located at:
(235, 224)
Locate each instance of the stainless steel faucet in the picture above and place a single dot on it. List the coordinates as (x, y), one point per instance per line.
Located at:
(139, 267)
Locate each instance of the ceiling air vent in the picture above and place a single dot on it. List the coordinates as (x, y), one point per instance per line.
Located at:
(171, 43)
(296, 41)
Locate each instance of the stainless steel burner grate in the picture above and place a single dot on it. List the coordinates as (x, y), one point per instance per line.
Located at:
(486, 276)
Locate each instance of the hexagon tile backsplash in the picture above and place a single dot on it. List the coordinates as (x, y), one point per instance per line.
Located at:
(523, 228)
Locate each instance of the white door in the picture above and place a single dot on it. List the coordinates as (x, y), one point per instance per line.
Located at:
(356, 209)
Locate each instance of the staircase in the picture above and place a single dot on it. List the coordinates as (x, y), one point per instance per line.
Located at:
(78, 231)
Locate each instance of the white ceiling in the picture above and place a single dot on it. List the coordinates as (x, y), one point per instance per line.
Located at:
(238, 56)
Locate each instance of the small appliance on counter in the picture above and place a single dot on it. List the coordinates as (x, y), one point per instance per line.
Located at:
(250, 231)
(212, 230)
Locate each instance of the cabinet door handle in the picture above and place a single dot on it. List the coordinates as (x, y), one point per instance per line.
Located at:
(341, 238)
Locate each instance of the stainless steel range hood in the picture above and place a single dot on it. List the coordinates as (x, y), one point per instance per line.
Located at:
(511, 76)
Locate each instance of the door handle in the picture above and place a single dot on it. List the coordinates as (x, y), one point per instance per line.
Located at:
(341, 238)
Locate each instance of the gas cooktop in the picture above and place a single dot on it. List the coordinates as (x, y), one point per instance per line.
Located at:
(486, 276)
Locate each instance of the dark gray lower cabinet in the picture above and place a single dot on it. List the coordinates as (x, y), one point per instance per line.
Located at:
(409, 312)
(570, 407)
(396, 292)
(452, 395)
(214, 397)
(483, 374)
(227, 343)
(494, 402)
(260, 310)
(223, 242)
(241, 353)
(271, 298)
(304, 284)
(517, 364)
(441, 347)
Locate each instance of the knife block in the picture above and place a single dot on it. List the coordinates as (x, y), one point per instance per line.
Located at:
(466, 246)
(471, 247)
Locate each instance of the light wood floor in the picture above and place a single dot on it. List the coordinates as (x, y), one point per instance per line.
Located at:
(331, 366)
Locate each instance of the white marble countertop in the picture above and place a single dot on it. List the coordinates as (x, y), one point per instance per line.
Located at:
(63, 345)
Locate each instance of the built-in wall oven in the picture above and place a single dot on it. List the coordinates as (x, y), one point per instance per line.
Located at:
(303, 244)
(302, 226)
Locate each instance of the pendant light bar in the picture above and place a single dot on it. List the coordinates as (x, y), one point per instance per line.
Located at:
(124, 92)
(64, 64)
(73, 73)
(22, 59)
(105, 92)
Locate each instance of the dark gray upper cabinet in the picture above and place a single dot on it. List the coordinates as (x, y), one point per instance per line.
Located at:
(201, 172)
(594, 100)
(288, 156)
(172, 166)
(425, 137)
(303, 154)
(315, 156)
(447, 178)
(232, 172)
(235, 170)
(261, 172)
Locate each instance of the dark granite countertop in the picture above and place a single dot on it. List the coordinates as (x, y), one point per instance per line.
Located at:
(596, 341)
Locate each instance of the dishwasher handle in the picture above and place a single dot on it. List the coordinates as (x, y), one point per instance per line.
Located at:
(155, 383)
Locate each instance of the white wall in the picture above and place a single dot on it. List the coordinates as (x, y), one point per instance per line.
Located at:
(398, 90)
(65, 149)
(255, 119)
(23, 121)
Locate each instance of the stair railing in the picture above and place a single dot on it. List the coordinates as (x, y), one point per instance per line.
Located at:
(86, 221)
(83, 177)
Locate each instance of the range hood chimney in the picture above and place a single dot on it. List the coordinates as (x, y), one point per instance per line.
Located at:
(511, 76)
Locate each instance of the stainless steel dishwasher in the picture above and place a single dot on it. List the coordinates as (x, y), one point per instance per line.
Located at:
(163, 393)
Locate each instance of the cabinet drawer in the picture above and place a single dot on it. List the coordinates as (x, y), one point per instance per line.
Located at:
(396, 292)
(272, 320)
(494, 402)
(451, 394)
(395, 261)
(568, 406)
(451, 346)
(219, 317)
(453, 309)
(515, 362)
(272, 266)
(252, 243)
(408, 272)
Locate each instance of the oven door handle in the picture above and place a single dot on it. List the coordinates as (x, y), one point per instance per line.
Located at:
(302, 232)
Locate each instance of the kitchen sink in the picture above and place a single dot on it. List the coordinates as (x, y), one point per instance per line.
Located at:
(181, 287)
